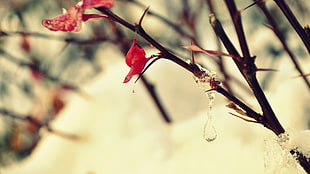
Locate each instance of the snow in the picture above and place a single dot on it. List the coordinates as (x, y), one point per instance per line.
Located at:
(120, 132)
(301, 141)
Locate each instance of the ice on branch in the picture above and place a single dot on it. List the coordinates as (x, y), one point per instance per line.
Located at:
(209, 132)
(206, 80)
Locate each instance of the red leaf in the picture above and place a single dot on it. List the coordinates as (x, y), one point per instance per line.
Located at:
(136, 60)
(211, 52)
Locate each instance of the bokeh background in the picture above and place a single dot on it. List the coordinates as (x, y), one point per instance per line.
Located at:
(89, 122)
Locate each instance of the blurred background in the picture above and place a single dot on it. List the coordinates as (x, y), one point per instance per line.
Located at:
(64, 108)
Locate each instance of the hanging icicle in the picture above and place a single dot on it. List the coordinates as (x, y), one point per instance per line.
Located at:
(206, 81)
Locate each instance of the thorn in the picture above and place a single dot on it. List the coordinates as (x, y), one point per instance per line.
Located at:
(266, 69)
(147, 68)
(142, 17)
(302, 75)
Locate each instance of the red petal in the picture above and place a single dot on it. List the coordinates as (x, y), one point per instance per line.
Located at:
(98, 3)
(135, 54)
(136, 60)
(136, 69)
(70, 21)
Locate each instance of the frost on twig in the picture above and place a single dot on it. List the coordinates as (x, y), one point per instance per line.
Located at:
(206, 79)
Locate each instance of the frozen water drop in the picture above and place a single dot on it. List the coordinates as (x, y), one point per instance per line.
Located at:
(209, 132)
(204, 79)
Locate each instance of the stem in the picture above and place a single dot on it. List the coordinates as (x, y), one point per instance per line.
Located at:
(151, 90)
(272, 121)
(220, 61)
(250, 112)
(249, 72)
(236, 18)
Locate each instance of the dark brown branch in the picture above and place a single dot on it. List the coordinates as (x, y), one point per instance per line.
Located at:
(294, 22)
(236, 18)
(165, 53)
(220, 61)
(250, 112)
(249, 72)
(272, 122)
(276, 30)
(152, 92)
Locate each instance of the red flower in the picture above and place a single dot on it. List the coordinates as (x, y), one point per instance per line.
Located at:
(136, 60)
(72, 18)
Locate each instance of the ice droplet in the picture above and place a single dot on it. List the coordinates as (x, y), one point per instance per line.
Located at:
(209, 132)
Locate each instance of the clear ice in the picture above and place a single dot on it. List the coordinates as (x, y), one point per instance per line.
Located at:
(209, 132)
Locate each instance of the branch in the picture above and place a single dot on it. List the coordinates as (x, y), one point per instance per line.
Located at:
(249, 73)
(250, 112)
(236, 18)
(294, 22)
(165, 53)
(124, 46)
(37, 123)
(276, 30)
(271, 121)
